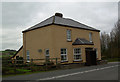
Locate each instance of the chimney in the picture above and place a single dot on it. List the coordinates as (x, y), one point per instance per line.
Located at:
(59, 14)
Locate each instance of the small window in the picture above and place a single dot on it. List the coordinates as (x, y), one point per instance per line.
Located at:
(90, 36)
(28, 56)
(68, 35)
(17, 57)
(77, 54)
(96, 52)
(63, 54)
(47, 54)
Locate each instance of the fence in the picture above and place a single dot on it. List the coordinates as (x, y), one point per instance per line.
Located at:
(32, 65)
(32, 61)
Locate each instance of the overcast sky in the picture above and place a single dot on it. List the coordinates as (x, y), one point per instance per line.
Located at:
(18, 16)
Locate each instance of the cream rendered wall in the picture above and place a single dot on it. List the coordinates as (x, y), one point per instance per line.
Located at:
(20, 54)
(53, 37)
(38, 39)
(60, 41)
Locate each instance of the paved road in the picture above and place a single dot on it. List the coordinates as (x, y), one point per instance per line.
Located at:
(99, 72)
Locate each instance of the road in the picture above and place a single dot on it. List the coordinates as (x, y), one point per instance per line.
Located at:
(100, 72)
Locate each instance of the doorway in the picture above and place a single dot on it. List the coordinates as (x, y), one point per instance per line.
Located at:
(90, 57)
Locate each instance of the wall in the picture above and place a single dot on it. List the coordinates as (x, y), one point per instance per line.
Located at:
(60, 41)
(20, 54)
(53, 37)
(35, 40)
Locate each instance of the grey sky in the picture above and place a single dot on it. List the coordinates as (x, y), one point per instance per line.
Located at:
(18, 16)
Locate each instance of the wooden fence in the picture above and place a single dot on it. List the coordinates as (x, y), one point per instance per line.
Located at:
(54, 61)
(33, 64)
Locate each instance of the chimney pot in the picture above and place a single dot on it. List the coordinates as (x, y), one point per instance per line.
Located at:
(59, 14)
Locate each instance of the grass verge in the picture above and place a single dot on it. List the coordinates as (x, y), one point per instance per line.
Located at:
(113, 59)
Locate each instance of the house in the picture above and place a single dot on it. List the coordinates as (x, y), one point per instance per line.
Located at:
(63, 38)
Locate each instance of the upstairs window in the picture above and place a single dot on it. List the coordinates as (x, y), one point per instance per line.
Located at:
(90, 36)
(68, 35)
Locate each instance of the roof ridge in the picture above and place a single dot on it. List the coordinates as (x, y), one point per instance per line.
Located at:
(61, 21)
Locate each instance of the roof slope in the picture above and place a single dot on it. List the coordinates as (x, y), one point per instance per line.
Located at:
(61, 21)
(17, 52)
(82, 41)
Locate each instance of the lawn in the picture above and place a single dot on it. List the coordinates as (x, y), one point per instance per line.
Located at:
(0, 56)
(113, 59)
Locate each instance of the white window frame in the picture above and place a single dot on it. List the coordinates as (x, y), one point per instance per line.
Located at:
(69, 35)
(47, 55)
(96, 52)
(28, 55)
(64, 55)
(77, 54)
(90, 36)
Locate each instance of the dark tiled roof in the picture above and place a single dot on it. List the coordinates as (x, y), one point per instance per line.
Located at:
(61, 21)
(82, 41)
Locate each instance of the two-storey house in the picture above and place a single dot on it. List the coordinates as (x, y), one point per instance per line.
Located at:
(58, 37)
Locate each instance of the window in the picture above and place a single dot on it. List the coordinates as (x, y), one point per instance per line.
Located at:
(47, 54)
(28, 56)
(17, 57)
(96, 53)
(77, 54)
(63, 54)
(68, 35)
(90, 36)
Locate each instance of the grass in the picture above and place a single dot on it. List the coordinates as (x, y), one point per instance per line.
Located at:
(23, 70)
(27, 73)
(0, 56)
(113, 59)
(7, 53)
(5, 56)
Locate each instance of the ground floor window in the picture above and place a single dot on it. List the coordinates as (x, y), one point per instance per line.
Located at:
(17, 57)
(77, 54)
(96, 52)
(47, 54)
(28, 56)
(63, 54)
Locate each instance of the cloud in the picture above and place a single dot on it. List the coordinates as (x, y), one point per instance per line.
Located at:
(18, 16)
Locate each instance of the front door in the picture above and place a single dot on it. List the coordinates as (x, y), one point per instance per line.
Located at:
(90, 57)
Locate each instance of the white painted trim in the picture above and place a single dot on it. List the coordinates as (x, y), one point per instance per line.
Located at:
(45, 52)
(28, 55)
(68, 35)
(80, 54)
(64, 54)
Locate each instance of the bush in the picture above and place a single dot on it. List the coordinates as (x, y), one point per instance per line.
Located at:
(49, 63)
(20, 60)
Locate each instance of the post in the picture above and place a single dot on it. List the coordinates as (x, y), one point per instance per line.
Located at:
(56, 61)
(15, 65)
(46, 66)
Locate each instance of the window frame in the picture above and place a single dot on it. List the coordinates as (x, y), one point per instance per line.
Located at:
(64, 55)
(90, 37)
(47, 55)
(96, 52)
(77, 54)
(69, 32)
(28, 55)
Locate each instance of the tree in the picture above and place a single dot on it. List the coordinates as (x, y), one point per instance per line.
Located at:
(110, 43)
